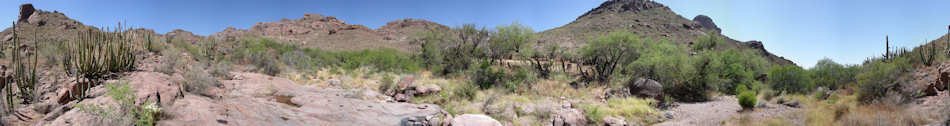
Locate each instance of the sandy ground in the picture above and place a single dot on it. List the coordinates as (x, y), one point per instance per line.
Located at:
(718, 111)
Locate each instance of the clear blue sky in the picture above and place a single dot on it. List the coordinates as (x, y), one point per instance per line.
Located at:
(804, 31)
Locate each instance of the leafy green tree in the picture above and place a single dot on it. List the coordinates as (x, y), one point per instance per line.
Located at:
(827, 73)
(790, 78)
(707, 42)
(508, 40)
(607, 53)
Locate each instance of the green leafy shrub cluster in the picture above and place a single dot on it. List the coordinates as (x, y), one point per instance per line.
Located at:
(827, 73)
(724, 70)
(791, 79)
(261, 52)
(879, 76)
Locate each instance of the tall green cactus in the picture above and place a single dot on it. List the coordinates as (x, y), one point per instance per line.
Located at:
(927, 55)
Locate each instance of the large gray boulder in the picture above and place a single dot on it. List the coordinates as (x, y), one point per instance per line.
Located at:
(474, 120)
(646, 88)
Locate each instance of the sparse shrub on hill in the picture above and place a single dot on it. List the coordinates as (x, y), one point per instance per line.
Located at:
(878, 77)
(790, 78)
(607, 54)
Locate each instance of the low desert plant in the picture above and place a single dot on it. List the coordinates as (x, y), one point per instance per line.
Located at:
(221, 70)
(630, 109)
(198, 81)
(127, 112)
(747, 99)
(169, 61)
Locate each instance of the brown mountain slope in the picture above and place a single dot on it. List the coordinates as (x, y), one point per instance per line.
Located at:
(330, 33)
(646, 18)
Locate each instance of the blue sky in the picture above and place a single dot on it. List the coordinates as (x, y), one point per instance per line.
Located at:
(804, 31)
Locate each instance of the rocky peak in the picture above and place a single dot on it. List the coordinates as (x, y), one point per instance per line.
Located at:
(707, 23)
(26, 10)
(622, 6)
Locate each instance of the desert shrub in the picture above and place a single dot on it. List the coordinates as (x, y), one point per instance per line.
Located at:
(386, 84)
(665, 63)
(221, 70)
(707, 42)
(465, 92)
(522, 77)
(790, 78)
(486, 76)
(127, 112)
(197, 81)
(827, 73)
(384, 59)
(878, 77)
(298, 60)
(594, 113)
(606, 53)
(264, 62)
(724, 70)
(747, 98)
(169, 61)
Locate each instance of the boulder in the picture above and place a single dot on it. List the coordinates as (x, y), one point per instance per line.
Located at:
(474, 120)
(707, 23)
(611, 121)
(568, 117)
(793, 104)
(646, 88)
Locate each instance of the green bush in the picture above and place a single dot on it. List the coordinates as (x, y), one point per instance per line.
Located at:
(724, 70)
(747, 99)
(465, 91)
(264, 62)
(487, 76)
(707, 42)
(790, 78)
(384, 59)
(878, 77)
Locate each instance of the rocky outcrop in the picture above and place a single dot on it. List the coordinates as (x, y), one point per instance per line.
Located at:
(707, 23)
(623, 5)
(255, 99)
(26, 10)
(474, 120)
